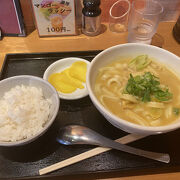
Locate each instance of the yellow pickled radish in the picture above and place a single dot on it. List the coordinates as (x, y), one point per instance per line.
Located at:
(78, 70)
(70, 79)
(56, 80)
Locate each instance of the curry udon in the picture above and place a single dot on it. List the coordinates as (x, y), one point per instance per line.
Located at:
(139, 90)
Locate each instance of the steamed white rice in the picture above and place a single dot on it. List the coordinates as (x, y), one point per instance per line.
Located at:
(23, 113)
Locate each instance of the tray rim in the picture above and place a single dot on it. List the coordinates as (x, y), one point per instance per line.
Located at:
(131, 171)
(8, 55)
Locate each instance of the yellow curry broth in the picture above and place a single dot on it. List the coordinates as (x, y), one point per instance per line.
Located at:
(111, 82)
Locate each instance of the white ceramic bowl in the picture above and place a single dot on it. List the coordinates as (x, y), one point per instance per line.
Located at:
(59, 66)
(130, 49)
(48, 92)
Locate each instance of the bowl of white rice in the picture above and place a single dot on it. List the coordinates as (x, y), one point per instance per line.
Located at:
(29, 106)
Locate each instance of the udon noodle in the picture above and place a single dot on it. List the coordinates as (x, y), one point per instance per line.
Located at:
(139, 90)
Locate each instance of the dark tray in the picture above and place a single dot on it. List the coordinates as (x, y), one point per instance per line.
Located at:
(25, 161)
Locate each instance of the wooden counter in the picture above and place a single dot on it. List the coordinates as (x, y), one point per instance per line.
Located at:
(32, 43)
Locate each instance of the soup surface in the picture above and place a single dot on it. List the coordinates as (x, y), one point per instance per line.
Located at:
(139, 90)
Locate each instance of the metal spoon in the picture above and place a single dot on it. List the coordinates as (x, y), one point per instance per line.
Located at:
(74, 134)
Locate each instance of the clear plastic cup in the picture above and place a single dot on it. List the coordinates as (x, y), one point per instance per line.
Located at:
(143, 20)
(118, 16)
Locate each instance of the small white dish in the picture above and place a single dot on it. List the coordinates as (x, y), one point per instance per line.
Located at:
(61, 65)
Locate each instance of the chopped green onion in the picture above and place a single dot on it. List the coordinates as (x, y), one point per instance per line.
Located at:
(176, 111)
(140, 62)
(163, 95)
(145, 87)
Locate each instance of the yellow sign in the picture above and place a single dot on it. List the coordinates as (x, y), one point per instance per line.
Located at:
(54, 17)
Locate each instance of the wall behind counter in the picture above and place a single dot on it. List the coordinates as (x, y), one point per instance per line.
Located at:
(171, 11)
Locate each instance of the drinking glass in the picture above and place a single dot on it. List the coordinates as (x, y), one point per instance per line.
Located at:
(118, 16)
(143, 20)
